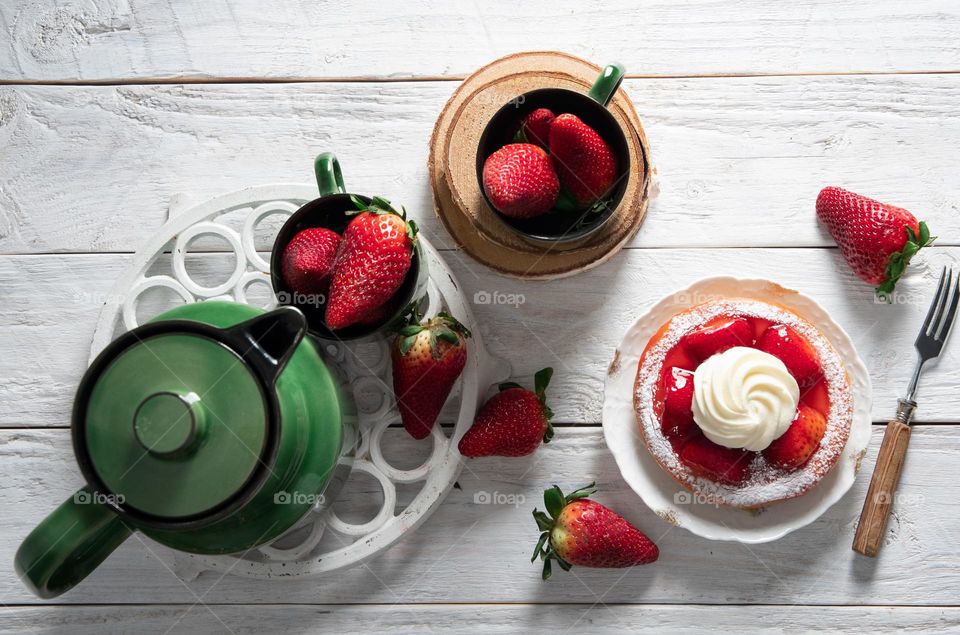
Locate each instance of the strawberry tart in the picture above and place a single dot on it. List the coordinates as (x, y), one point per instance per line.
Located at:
(743, 402)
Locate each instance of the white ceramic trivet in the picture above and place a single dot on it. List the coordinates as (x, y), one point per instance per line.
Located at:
(660, 491)
(234, 218)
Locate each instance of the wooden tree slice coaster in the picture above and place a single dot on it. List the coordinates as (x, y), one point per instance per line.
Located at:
(457, 197)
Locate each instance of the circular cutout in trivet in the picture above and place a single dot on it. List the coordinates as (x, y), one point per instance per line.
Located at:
(484, 236)
(363, 365)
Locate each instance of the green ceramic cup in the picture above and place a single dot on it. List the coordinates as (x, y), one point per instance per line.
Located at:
(563, 224)
(212, 429)
(333, 210)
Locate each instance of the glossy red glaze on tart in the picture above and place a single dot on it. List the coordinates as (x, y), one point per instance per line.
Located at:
(794, 462)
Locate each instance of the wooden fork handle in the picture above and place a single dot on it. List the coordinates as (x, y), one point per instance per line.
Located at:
(883, 486)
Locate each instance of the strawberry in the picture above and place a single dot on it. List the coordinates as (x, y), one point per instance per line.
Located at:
(427, 359)
(677, 421)
(718, 336)
(796, 353)
(372, 263)
(584, 162)
(512, 423)
(715, 462)
(380, 314)
(536, 127)
(308, 260)
(520, 181)
(877, 240)
(582, 532)
(795, 446)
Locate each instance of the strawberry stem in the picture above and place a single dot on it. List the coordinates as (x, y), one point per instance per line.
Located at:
(540, 382)
(898, 260)
(382, 205)
(555, 501)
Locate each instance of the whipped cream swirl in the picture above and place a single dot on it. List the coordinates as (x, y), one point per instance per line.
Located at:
(744, 398)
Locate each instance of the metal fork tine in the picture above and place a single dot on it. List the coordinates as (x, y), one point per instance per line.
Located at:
(933, 305)
(941, 300)
(951, 313)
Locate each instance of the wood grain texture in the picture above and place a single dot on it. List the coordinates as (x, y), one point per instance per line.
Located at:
(738, 161)
(537, 618)
(471, 552)
(883, 489)
(50, 305)
(142, 39)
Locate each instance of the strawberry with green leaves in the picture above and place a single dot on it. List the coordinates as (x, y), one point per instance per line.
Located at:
(578, 531)
(513, 422)
(428, 358)
(373, 261)
(877, 240)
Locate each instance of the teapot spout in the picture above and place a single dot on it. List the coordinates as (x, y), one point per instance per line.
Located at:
(267, 341)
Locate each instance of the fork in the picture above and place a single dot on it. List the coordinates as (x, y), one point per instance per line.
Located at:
(893, 450)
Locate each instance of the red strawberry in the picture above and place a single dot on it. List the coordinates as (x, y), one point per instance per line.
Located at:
(512, 423)
(308, 260)
(536, 127)
(380, 314)
(794, 351)
(582, 532)
(795, 446)
(427, 359)
(877, 240)
(519, 181)
(372, 262)
(718, 336)
(715, 462)
(584, 162)
(677, 420)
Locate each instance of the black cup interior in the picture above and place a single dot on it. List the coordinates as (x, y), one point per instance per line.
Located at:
(556, 225)
(331, 212)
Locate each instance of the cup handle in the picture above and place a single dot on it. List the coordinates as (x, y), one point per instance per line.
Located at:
(329, 176)
(607, 83)
(68, 545)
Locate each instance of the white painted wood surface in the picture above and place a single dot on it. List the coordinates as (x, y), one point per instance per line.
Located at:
(469, 552)
(138, 39)
(739, 160)
(52, 303)
(205, 97)
(505, 620)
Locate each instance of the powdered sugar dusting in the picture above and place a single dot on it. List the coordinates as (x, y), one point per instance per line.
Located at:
(767, 483)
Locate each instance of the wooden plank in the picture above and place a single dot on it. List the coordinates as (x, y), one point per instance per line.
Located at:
(51, 305)
(739, 161)
(538, 618)
(123, 39)
(469, 552)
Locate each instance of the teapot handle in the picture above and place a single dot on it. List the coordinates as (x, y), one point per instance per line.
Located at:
(69, 544)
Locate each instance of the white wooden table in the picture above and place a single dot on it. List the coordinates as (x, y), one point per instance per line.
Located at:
(112, 106)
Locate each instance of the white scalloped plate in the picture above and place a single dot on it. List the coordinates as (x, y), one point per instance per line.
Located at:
(660, 491)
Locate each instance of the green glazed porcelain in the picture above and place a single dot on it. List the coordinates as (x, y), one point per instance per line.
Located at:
(212, 429)
(334, 209)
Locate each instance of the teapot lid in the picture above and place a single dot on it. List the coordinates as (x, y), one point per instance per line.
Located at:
(176, 421)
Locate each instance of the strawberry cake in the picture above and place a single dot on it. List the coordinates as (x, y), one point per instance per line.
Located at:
(743, 402)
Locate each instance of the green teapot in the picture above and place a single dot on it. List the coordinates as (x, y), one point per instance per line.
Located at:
(212, 429)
